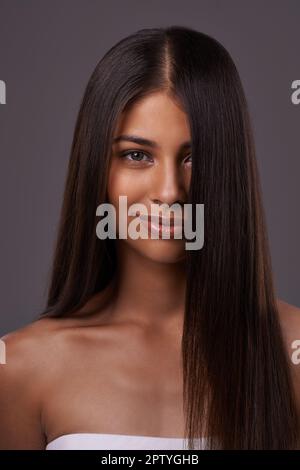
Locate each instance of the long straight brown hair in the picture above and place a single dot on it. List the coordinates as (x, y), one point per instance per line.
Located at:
(237, 385)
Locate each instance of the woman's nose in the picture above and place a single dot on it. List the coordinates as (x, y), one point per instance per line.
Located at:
(168, 185)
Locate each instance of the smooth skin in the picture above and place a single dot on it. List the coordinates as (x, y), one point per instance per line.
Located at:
(115, 366)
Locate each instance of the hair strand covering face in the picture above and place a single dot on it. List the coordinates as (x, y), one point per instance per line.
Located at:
(237, 385)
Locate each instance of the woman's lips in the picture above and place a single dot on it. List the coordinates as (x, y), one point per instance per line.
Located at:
(160, 225)
(162, 220)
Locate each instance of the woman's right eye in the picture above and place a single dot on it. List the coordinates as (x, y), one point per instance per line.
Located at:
(137, 156)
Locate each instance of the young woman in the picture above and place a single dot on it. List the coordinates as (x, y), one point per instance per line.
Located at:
(145, 344)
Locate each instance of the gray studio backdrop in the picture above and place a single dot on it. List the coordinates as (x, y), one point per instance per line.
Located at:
(48, 50)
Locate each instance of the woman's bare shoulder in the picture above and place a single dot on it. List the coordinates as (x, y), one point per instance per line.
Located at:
(25, 345)
(289, 316)
(48, 339)
(47, 333)
(27, 351)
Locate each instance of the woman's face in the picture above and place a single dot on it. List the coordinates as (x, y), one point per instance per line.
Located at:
(152, 174)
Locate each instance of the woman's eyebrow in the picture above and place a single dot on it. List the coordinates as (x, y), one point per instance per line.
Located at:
(142, 141)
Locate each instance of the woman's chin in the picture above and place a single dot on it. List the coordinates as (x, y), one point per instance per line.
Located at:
(160, 251)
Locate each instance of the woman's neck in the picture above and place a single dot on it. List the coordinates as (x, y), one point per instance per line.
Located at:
(147, 291)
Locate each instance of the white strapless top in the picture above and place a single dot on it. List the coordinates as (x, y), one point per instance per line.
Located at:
(95, 441)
